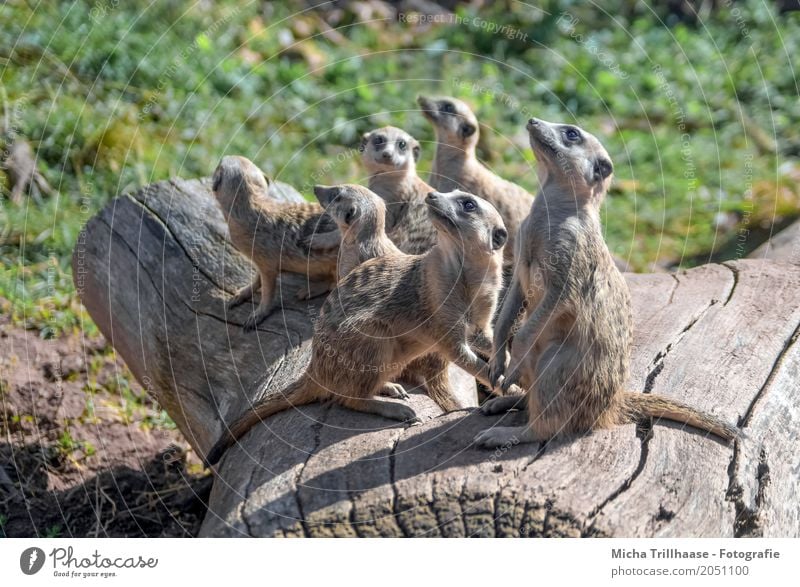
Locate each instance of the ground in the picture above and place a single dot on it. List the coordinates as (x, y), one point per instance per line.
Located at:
(84, 453)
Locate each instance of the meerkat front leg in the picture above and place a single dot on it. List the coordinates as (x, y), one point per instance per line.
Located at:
(501, 405)
(482, 342)
(244, 293)
(267, 303)
(390, 410)
(548, 311)
(512, 305)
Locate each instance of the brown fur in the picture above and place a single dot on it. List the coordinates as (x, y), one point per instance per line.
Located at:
(572, 349)
(390, 310)
(456, 164)
(390, 156)
(273, 235)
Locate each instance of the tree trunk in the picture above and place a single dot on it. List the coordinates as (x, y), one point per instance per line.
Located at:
(154, 268)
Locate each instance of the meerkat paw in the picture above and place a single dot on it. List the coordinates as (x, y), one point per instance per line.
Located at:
(256, 318)
(239, 298)
(501, 405)
(502, 436)
(394, 390)
(401, 413)
(313, 290)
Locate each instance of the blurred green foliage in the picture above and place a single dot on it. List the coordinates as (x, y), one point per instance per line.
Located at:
(700, 116)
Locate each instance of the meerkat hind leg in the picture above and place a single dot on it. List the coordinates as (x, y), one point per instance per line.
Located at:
(267, 304)
(505, 436)
(391, 410)
(244, 293)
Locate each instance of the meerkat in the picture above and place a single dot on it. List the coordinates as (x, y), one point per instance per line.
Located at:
(390, 310)
(571, 351)
(390, 156)
(271, 235)
(456, 164)
(360, 216)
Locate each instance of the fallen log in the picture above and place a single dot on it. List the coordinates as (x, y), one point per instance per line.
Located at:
(153, 269)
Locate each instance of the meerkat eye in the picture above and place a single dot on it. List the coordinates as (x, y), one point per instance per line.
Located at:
(469, 206)
(402, 145)
(350, 214)
(448, 108)
(572, 134)
(377, 141)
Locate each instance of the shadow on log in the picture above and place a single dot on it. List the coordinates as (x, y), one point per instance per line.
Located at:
(153, 270)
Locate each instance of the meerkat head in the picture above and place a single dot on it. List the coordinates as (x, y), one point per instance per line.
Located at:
(389, 149)
(467, 222)
(454, 122)
(568, 155)
(237, 176)
(354, 208)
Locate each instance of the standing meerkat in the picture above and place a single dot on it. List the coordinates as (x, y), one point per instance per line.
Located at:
(572, 350)
(390, 156)
(360, 216)
(271, 235)
(456, 164)
(390, 310)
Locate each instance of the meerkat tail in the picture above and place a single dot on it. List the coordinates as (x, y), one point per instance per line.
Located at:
(301, 392)
(639, 405)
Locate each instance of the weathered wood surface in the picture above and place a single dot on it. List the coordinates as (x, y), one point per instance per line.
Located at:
(152, 270)
(784, 246)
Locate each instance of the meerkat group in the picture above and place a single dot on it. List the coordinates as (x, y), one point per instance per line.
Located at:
(415, 271)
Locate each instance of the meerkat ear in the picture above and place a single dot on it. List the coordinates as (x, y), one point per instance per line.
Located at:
(499, 238)
(467, 130)
(364, 140)
(602, 169)
(217, 181)
(416, 150)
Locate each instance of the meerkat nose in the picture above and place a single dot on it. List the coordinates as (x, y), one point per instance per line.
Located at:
(533, 122)
(433, 195)
(387, 155)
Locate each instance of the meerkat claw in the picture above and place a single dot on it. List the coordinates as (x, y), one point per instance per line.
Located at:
(394, 390)
(501, 405)
(255, 319)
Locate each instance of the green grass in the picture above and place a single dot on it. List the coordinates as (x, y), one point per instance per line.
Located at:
(116, 95)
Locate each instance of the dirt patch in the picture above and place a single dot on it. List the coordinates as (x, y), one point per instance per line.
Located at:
(84, 451)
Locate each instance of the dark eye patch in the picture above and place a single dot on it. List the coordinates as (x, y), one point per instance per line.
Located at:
(469, 205)
(448, 108)
(402, 145)
(379, 140)
(572, 134)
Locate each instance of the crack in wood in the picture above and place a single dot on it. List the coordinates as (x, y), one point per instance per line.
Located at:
(674, 287)
(747, 521)
(168, 230)
(735, 271)
(317, 428)
(787, 345)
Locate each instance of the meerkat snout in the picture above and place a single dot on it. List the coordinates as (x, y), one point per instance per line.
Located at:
(572, 154)
(470, 221)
